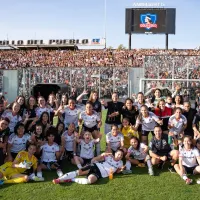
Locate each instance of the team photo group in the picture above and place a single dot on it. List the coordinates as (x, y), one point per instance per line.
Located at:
(38, 135)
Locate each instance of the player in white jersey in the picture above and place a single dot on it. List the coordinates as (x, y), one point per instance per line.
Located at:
(100, 168)
(50, 156)
(92, 123)
(69, 142)
(140, 101)
(70, 113)
(177, 124)
(189, 160)
(43, 107)
(148, 121)
(86, 151)
(13, 116)
(137, 155)
(114, 140)
(17, 141)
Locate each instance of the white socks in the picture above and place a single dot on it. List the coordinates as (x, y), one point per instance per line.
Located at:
(31, 176)
(59, 173)
(149, 163)
(39, 174)
(128, 165)
(79, 166)
(83, 181)
(69, 175)
(184, 177)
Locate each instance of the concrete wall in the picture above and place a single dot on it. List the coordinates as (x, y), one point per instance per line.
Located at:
(10, 84)
(134, 79)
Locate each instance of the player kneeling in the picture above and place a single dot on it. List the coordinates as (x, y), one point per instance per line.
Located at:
(50, 156)
(160, 151)
(137, 155)
(87, 150)
(15, 172)
(189, 160)
(100, 168)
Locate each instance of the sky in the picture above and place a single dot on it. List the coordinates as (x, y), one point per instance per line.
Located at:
(67, 19)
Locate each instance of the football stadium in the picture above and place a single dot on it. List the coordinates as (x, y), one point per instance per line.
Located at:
(80, 119)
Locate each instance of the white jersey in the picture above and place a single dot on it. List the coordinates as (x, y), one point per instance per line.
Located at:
(115, 141)
(178, 124)
(69, 141)
(138, 154)
(87, 150)
(71, 116)
(148, 123)
(89, 120)
(189, 157)
(138, 105)
(39, 111)
(13, 120)
(168, 105)
(18, 144)
(49, 152)
(107, 165)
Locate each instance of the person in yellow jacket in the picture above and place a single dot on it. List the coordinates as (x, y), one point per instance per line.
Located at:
(14, 172)
(128, 132)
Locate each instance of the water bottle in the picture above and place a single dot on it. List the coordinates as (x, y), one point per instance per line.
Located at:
(111, 174)
(170, 140)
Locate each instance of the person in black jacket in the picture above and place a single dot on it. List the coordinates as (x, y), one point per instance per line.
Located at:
(114, 112)
(189, 113)
(129, 111)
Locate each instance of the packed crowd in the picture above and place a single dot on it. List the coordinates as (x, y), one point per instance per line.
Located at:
(30, 143)
(172, 67)
(15, 59)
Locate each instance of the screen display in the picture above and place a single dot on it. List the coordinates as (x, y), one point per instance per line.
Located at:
(149, 21)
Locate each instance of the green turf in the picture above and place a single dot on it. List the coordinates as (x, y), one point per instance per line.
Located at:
(138, 185)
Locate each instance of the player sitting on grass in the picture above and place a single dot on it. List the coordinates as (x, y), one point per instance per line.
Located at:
(189, 160)
(160, 151)
(137, 155)
(13, 172)
(101, 167)
(87, 149)
(50, 156)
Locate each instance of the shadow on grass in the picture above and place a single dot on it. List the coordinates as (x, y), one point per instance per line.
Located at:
(6, 186)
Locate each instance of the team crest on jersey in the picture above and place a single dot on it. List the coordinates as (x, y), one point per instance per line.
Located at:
(164, 142)
(23, 140)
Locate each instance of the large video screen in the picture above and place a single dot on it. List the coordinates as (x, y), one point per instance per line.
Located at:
(149, 21)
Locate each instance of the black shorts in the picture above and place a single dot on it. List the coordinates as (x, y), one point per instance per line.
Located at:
(86, 161)
(14, 155)
(142, 161)
(49, 164)
(2, 156)
(146, 133)
(94, 128)
(169, 158)
(69, 155)
(94, 170)
(189, 170)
